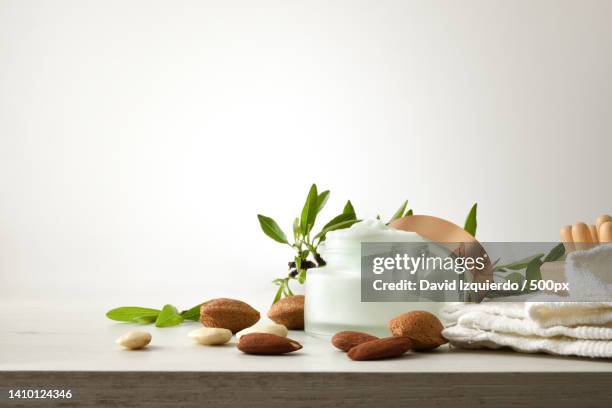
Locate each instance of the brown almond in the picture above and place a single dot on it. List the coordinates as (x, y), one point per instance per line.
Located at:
(267, 344)
(346, 340)
(379, 349)
(423, 328)
(289, 312)
(230, 314)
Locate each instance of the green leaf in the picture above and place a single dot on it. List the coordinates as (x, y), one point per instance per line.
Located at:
(494, 263)
(532, 272)
(321, 200)
(518, 265)
(334, 227)
(287, 290)
(408, 213)
(168, 317)
(470, 222)
(515, 277)
(348, 209)
(145, 319)
(309, 211)
(302, 277)
(556, 253)
(279, 292)
(271, 229)
(341, 225)
(192, 313)
(338, 219)
(296, 229)
(129, 313)
(399, 213)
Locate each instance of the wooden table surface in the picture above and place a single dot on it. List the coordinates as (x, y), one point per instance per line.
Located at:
(60, 347)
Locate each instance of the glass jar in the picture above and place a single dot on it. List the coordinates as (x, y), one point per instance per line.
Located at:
(333, 292)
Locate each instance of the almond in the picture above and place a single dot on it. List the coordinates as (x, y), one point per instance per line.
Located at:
(134, 340)
(271, 328)
(379, 349)
(289, 312)
(211, 336)
(228, 314)
(346, 340)
(423, 328)
(267, 344)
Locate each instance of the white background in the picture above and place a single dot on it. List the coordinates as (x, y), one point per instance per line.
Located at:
(139, 139)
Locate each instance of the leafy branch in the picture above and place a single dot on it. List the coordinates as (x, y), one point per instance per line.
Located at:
(305, 242)
(531, 265)
(166, 317)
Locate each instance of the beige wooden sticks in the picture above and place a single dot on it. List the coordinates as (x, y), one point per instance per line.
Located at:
(584, 236)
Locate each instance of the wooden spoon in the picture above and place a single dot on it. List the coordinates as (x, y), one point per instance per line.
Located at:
(460, 241)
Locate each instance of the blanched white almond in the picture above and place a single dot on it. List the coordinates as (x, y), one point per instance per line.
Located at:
(270, 328)
(134, 340)
(211, 336)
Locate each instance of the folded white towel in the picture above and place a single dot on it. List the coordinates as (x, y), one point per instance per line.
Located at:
(587, 273)
(511, 318)
(472, 339)
(549, 314)
(546, 323)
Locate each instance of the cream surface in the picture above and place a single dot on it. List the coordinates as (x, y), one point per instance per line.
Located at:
(368, 231)
(334, 291)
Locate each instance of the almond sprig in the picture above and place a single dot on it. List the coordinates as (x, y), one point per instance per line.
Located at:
(167, 316)
(305, 241)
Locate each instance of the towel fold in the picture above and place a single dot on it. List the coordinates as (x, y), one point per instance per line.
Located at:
(473, 339)
(547, 323)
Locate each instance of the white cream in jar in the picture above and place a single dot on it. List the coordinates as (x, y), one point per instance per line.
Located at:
(333, 292)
